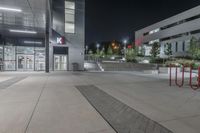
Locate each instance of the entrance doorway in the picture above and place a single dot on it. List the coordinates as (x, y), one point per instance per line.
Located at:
(25, 62)
(60, 62)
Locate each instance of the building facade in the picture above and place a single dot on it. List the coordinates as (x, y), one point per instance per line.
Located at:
(176, 31)
(23, 39)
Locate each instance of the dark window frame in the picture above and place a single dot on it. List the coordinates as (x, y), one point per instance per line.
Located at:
(183, 46)
(176, 47)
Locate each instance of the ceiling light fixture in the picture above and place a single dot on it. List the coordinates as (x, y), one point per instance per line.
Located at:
(23, 31)
(32, 42)
(10, 9)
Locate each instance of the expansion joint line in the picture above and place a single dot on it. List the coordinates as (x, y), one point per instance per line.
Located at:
(35, 107)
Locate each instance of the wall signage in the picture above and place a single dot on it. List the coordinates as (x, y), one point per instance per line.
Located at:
(60, 40)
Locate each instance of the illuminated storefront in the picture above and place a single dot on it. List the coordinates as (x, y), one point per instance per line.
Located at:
(46, 37)
(18, 55)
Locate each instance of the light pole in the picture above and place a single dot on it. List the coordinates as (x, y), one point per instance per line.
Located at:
(86, 49)
(125, 43)
(98, 45)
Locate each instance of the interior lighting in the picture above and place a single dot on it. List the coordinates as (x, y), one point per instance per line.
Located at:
(23, 31)
(10, 9)
(31, 42)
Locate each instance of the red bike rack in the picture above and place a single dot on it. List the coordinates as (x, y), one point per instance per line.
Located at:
(170, 75)
(176, 76)
(182, 80)
(195, 86)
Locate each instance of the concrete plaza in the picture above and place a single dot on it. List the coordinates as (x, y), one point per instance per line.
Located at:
(51, 103)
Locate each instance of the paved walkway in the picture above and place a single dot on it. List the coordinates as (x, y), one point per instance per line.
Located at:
(50, 103)
(43, 103)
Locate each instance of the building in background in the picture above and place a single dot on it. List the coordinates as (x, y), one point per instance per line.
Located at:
(175, 31)
(23, 26)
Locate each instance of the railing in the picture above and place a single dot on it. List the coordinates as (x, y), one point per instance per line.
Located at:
(90, 58)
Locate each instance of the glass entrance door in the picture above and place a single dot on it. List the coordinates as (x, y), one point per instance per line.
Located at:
(60, 62)
(25, 62)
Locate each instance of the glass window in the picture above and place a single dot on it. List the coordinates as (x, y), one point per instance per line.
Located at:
(39, 59)
(9, 57)
(60, 62)
(69, 17)
(9, 65)
(1, 58)
(25, 50)
(9, 53)
(1, 18)
(1, 53)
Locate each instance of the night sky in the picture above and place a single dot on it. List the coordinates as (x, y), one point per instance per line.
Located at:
(118, 19)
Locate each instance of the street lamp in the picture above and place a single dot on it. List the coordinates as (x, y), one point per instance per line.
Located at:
(125, 43)
(86, 49)
(98, 45)
(98, 52)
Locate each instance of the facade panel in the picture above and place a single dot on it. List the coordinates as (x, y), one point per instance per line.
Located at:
(175, 30)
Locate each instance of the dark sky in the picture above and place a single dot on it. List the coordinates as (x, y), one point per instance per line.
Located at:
(117, 19)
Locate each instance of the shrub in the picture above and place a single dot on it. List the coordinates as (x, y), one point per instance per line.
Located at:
(180, 62)
(158, 60)
(131, 55)
(155, 51)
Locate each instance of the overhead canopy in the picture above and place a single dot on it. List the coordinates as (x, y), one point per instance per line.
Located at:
(23, 15)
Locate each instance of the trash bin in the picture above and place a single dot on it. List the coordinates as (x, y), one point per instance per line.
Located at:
(75, 66)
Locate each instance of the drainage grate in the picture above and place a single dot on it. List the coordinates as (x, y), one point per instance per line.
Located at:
(121, 117)
(9, 82)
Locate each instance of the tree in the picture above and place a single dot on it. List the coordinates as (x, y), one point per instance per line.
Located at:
(102, 53)
(140, 51)
(194, 48)
(116, 50)
(98, 52)
(155, 51)
(130, 55)
(109, 51)
(168, 49)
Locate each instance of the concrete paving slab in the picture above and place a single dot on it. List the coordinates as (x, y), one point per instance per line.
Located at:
(62, 108)
(4, 78)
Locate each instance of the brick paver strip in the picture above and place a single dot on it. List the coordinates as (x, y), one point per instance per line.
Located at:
(122, 118)
(10, 82)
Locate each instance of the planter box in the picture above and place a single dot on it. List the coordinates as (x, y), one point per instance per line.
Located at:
(166, 70)
(150, 72)
(187, 69)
